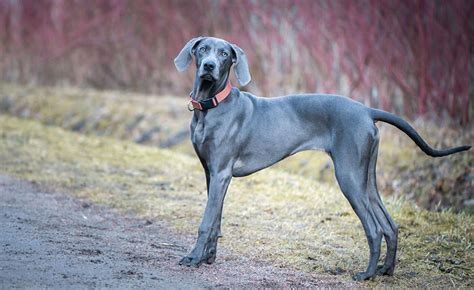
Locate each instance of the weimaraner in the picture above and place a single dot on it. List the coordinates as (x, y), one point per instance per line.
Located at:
(235, 134)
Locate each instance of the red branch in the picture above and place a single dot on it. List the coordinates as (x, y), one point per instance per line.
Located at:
(369, 49)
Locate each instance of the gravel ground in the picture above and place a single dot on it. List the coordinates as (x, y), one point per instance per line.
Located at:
(50, 239)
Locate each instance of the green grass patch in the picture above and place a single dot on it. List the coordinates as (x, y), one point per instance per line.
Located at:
(289, 220)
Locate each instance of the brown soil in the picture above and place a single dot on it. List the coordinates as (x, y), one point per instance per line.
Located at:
(51, 239)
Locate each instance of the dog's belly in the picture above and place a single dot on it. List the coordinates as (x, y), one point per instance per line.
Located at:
(266, 154)
(245, 166)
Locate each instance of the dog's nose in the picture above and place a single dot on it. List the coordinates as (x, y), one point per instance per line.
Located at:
(209, 66)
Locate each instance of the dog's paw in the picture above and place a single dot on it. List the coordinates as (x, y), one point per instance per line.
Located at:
(190, 261)
(210, 258)
(385, 270)
(362, 276)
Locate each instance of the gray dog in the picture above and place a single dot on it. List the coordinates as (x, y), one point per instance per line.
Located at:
(235, 133)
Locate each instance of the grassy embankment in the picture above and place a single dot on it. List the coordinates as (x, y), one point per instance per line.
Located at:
(288, 220)
(403, 171)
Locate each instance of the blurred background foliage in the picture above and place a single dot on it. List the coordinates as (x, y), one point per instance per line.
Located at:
(411, 57)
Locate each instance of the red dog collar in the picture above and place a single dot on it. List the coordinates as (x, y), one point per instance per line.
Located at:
(211, 102)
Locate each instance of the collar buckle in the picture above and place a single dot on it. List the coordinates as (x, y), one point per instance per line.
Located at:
(190, 105)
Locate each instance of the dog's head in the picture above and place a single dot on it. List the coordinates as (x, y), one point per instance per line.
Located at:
(214, 58)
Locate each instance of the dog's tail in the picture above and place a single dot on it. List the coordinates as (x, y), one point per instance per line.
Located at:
(379, 115)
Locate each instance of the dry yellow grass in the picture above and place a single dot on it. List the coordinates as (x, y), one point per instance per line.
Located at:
(287, 220)
(141, 118)
(402, 169)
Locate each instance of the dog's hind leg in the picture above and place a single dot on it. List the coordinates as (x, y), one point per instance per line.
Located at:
(389, 228)
(351, 164)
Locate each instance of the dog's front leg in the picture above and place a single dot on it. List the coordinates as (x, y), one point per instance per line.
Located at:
(209, 230)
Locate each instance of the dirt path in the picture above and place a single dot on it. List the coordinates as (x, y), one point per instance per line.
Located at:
(53, 240)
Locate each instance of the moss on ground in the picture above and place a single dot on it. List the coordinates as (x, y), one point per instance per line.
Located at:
(288, 220)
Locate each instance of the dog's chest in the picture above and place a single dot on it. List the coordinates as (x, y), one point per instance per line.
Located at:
(197, 133)
(207, 135)
(201, 132)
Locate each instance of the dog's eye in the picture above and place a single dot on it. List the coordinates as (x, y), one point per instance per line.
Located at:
(224, 54)
(202, 49)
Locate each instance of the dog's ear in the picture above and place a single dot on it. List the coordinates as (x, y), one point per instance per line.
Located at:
(241, 66)
(185, 57)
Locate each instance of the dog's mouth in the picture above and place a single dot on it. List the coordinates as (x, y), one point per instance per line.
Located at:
(207, 77)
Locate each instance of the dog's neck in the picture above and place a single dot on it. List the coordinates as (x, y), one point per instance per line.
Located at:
(203, 89)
